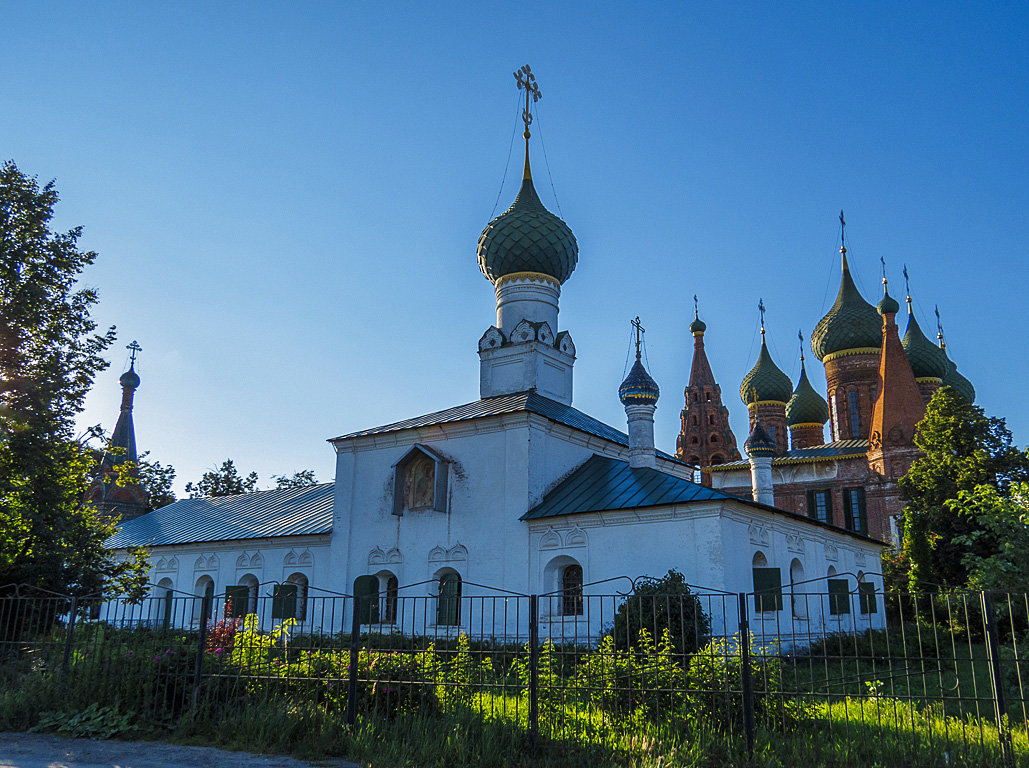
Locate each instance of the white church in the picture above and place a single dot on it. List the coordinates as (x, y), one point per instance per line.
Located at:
(517, 493)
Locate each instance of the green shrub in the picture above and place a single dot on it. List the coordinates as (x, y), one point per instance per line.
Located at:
(660, 605)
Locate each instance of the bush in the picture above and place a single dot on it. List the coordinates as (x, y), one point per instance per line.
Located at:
(911, 641)
(660, 605)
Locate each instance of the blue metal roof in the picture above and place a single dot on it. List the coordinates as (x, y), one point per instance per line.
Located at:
(503, 404)
(825, 452)
(602, 483)
(265, 514)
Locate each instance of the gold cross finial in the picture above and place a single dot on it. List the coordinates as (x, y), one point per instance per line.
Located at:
(939, 329)
(761, 309)
(133, 349)
(527, 82)
(640, 330)
(843, 234)
(696, 307)
(800, 335)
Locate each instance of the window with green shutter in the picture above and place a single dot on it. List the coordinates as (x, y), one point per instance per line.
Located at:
(819, 505)
(839, 597)
(237, 600)
(366, 593)
(866, 597)
(448, 604)
(284, 601)
(767, 590)
(855, 517)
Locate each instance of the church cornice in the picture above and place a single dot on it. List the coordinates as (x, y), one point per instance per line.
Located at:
(527, 277)
(850, 353)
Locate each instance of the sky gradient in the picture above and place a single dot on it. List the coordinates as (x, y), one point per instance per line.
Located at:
(286, 200)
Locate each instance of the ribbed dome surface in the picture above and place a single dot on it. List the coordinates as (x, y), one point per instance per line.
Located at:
(765, 380)
(130, 378)
(960, 384)
(527, 238)
(927, 360)
(851, 323)
(638, 387)
(806, 406)
(759, 443)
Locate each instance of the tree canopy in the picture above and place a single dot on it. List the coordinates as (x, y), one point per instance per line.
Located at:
(50, 353)
(223, 481)
(963, 450)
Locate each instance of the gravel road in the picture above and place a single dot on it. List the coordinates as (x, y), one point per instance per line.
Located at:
(37, 750)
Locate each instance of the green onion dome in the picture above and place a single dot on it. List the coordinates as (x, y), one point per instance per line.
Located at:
(927, 360)
(806, 406)
(759, 443)
(527, 238)
(698, 325)
(130, 379)
(638, 387)
(959, 383)
(765, 380)
(851, 323)
(888, 305)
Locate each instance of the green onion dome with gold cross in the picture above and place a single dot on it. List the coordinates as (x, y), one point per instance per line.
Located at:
(806, 406)
(927, 360)
(765, 381)
(527, 237)
(851, 324)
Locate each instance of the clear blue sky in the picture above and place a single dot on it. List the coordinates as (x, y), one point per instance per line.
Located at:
(286, 198)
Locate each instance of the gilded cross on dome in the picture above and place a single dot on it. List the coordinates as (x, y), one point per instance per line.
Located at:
(133, 349)
(640, 330)
(527, 82)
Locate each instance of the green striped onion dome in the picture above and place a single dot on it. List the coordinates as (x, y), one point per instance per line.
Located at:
(927, 360)
(960, 384)
(888, 305)
(527, 238)
(765, 380)
(806, 406)
(759, 443)
(638, 387)
(851, 323)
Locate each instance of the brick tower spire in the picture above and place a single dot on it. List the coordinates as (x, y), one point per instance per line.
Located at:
(126, 500)
(705, 437)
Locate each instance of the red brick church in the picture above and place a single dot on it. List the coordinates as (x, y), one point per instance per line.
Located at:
(877, 389)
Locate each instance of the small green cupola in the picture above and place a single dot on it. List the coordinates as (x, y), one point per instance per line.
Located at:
(759, 443)
(698, 325)
(765, 381)
(806, 406)
(851, 323)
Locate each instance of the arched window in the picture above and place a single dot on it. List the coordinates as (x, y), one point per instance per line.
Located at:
(798, 600)
(866, 596)
(717, 459)
(711, 420)
(714, 439)
(299, 581)
(571, 590)
(203, 608)
(694, 440)
(695, 421)
(366, 595)
(448, 603)
(839, 594)
(707, 396)
(389, 591)
(767, 586)
(166, 604)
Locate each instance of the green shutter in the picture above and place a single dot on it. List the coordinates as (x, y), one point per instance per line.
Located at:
(812, 509)
(839, 597)
(284, 601)
(848, 519)
(366, 595)
(828, 506)
(448, 604)
(866, 598)
(862, 511)
(166, 622)
(767, 590)
(439, 496)
(237, 601)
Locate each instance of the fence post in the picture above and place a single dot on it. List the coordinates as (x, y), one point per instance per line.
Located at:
(534, 680)
(993, 658)
(69, 635)
(748, 682)
(198, 668)
(355, 646)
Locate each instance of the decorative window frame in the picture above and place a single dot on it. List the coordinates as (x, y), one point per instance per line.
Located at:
(440, 476)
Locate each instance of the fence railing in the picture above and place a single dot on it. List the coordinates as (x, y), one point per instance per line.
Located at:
(931, 675)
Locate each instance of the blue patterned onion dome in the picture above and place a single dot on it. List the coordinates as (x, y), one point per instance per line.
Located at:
(806, 406)
(851, 323)
(130, 379)
(759, 443)
(927, 360)
(638, 387)
(527, 238)
(766, 381)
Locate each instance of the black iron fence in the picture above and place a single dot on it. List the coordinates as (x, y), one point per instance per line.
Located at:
(934, 678)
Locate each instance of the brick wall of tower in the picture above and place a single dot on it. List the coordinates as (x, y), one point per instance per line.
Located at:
(773, 419)
(858, 373)
(806, 435)
(705, 437)
(927, 387)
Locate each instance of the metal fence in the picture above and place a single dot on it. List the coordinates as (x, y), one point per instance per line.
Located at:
(937, 677)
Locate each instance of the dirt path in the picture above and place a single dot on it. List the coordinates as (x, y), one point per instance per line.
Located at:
(36, 750)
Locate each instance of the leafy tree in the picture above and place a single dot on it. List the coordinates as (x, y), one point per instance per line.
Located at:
(656, 605)
(224, 481)
(156, 480)
(1004, 521)
(49, 355)
(963, 449)
(301, 479)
